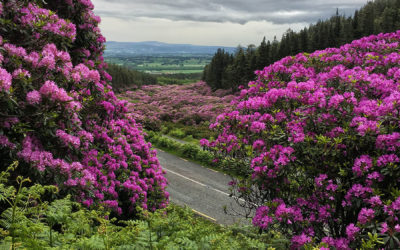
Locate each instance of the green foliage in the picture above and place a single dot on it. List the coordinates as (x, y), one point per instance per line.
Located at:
(189, 150)
(185, 150)
(214, 73)
(198, 131)
(234, 166)
(178, 133)
(180, 79)
(373, 242)
(204, 156)
(124, 78)
(17, 202)
(29, 223)
(195, 153)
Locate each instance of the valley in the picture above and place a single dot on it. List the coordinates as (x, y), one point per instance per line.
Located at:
(161, 58)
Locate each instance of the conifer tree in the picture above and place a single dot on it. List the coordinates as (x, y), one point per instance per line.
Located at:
(263, 54)
(375, 17)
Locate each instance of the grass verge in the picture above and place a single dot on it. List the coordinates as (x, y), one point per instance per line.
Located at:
(190, 152)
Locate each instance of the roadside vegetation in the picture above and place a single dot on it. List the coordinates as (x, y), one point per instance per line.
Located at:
(319, 135)
(29, 221)
(198, 154)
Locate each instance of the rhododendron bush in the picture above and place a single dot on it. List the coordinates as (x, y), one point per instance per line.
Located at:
(60, 117)
(320, 136)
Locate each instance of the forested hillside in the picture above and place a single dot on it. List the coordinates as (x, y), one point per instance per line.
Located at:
(229, 71)
(124, 78)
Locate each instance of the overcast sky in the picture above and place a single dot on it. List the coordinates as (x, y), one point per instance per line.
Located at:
(212, 22)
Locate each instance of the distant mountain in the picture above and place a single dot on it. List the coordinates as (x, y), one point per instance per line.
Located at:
(153, 47)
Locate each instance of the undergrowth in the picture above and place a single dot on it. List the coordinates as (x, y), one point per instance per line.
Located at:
(28, 222)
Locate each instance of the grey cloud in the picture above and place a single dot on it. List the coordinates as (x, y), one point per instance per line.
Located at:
(235, 11)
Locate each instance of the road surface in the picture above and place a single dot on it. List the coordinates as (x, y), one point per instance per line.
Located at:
(202, 189)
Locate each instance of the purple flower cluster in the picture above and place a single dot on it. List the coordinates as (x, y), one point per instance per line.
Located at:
(46, 20)
(51, 90)
(4, 142)
(60, 117)
(68, 139)
(320, 134)
(352, 231)
(33, 97)
(5, 80)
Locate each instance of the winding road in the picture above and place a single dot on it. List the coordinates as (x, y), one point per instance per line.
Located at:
(202, 189)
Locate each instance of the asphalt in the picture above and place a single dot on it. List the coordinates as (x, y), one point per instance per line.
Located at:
(204, 190)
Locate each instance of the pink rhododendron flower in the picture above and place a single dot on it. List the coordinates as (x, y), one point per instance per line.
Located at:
(365, 215)
(362, 164)
(351, 231)
(33, 97)
(5, 80)
(51, 90)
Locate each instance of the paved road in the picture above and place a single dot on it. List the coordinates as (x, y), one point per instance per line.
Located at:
(203, 190)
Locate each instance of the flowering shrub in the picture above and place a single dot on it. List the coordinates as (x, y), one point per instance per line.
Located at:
(59, 115)
(46, 20)
(187, 104)
(320, 136)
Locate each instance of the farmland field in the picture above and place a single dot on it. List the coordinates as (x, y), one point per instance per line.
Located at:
(163, 64)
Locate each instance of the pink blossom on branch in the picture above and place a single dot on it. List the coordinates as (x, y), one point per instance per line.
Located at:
(33, 97)
(5, 80)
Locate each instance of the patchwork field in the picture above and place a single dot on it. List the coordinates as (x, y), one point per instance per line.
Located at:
(163, 64)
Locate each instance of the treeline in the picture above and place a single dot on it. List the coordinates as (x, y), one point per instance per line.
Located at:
(178, 78)
(228, 71)
(124, 78)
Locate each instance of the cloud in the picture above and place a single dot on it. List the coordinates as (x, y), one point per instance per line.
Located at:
(191, 32)
(212, 22)
(221, 11)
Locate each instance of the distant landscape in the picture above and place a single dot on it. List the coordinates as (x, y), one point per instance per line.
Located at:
(161, 58)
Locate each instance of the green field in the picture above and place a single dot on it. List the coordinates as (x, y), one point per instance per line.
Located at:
(163, 64)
